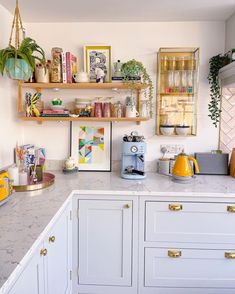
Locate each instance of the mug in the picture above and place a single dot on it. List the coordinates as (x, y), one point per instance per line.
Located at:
(81, 77)
(131, 111)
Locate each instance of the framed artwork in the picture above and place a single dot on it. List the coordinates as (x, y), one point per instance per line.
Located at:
(91, 145)
(98, 57)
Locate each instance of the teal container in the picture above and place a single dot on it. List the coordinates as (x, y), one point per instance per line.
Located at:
(18, 69)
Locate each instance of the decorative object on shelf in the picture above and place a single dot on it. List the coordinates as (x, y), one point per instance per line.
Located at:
(144, 108)
(83, 107)
(19, 60)
(31, 102)
(134, 72)
(167, 130)
(131, 110)
(216, 63)
(133, 157)
(118, 109)
(56, 75)
(91, 145)
(100, 75)
(98, 57)
(178, 90)
(42, 74)
(117, 72)
(81, 77)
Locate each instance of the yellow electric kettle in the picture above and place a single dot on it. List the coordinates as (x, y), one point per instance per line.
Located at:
(182, 167)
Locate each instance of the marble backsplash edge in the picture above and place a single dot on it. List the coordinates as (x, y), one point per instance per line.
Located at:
(55, 165)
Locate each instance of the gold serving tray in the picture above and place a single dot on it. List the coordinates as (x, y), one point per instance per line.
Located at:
(48, 180)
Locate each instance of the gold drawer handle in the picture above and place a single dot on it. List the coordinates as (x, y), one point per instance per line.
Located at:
(175, 207)
(126, 206)
(230, 208)
(174, 253)
(52, 239)
(229, 255)
(43, 252)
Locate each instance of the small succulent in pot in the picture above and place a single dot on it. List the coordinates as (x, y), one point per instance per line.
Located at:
(134, 72)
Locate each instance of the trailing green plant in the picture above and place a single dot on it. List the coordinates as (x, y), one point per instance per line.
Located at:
(216, 63)
(28, 50)
(132, 72)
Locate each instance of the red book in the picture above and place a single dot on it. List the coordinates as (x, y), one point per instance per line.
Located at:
(49, 111)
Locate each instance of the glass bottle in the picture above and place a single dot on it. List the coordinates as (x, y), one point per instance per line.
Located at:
(56, 74)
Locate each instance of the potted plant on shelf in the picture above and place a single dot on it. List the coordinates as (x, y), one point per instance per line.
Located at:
(216, 63)
(19, 63)
(134, 72)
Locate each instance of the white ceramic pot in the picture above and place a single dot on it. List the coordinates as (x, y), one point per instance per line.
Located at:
(182, 130)
(82, 77)
(131, 111)
(167, 130)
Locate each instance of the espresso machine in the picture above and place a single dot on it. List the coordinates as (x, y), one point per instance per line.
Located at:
(133, 157)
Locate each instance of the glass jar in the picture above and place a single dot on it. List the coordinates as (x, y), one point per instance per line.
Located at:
(144, 108)
(118, 109)
(181, 63)
(83, 107)
(164, 63)
(56, 74)
(172, 63)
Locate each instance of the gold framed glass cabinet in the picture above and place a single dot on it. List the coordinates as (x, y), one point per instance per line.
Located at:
(177, 92)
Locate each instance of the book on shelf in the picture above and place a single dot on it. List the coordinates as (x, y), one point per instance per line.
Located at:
(59, 111)
(64, 72)
(55, 115)
(71, 66)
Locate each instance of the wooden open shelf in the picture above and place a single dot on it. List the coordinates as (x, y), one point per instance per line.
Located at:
(94, 86)
(99, 119)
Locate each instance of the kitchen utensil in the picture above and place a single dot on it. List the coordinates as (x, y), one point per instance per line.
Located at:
(163, 166)
(182, 169)
(5, 186)
(212, 163)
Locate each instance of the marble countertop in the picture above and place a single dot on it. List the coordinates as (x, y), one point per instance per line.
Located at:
(26, 215)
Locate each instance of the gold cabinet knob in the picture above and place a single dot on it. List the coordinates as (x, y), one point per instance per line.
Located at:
(174, 253)
(229, 255)
(126, 206)
(175, 207)
(43, 252)
(52, 239)
(230, 208)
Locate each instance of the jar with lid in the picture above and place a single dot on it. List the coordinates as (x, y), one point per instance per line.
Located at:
(56, 73)
(83, 107)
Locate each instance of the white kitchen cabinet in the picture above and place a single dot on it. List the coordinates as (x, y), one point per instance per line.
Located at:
(105, 246)
(31, 280)
(186, 247)
(190, 222)
(58, 260)
(47, 270)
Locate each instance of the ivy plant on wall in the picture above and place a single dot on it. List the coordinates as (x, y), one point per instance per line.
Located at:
(216, 63)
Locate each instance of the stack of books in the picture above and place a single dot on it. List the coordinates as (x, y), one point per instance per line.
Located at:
(69, 67)
(55, 113)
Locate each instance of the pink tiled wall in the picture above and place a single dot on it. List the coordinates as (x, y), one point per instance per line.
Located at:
(227, 132)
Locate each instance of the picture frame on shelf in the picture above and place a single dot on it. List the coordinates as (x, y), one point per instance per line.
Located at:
(91, 145)
(98, 57)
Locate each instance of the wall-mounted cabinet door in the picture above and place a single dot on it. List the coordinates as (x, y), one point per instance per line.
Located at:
(31, 280)
(58, 260)
(105, 242)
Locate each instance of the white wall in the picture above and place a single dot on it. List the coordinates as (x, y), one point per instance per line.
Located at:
(230, 33)
(129, 40)
(9, 128)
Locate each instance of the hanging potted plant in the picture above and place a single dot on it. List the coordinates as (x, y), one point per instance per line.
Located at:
(18, 61)
(216, 63)
(134, 72)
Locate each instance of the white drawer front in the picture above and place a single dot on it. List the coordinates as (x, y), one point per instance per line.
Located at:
(193, 269)
(192, 222)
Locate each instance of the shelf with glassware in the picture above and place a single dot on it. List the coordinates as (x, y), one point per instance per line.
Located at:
(90, 116)
(177, 91)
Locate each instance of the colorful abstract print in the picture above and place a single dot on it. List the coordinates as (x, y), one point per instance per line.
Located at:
(91, 145)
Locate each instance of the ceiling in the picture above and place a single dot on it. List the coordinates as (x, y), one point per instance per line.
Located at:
(122, 10)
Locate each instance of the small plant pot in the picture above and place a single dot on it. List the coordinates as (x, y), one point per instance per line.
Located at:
(18, 69)
(182, 130)
(167, 130)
